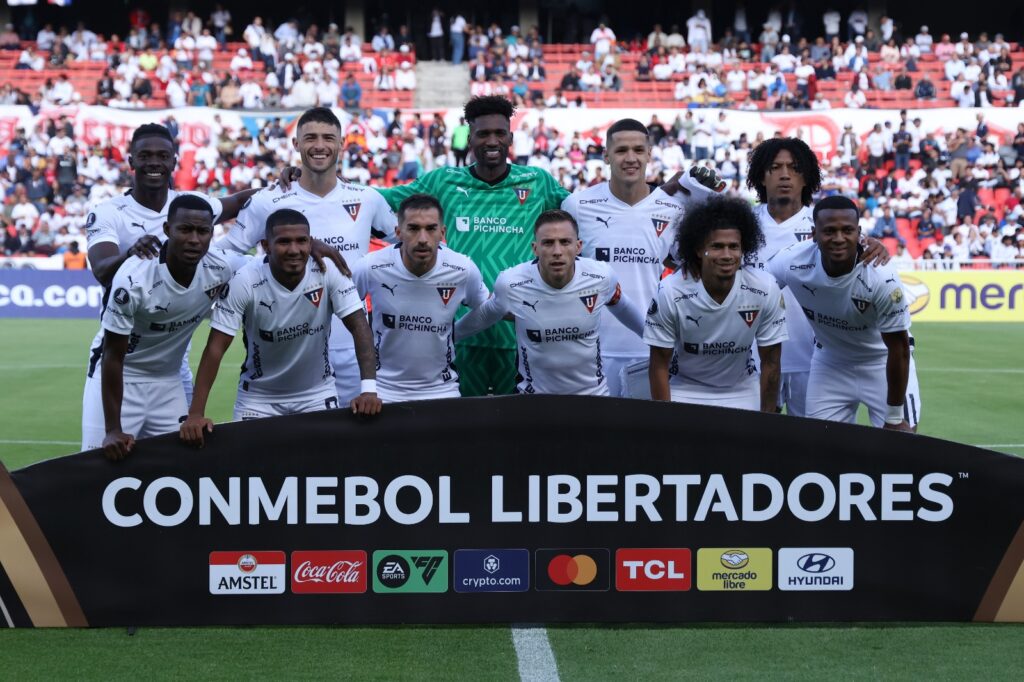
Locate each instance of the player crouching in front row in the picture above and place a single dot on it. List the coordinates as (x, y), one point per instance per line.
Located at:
(285, 303)
(706, 316)
(557, 301)
(155, 307)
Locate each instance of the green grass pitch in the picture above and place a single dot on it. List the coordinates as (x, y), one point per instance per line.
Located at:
(970, 375)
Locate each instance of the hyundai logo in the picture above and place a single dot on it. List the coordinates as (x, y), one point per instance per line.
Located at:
(816, 563)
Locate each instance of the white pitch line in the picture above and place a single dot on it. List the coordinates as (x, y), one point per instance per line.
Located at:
(7, 616)
(39, 442)
(18, 368)
(968, 370)
(534, 654)
(999, 445)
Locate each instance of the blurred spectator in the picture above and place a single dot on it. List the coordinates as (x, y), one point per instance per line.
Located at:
(698, 29)
(74, 258)
(351, 93)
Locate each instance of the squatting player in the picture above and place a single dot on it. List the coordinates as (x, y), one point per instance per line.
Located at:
(707, 316)
(631, 225)
(342, 215)
(155, 307)
(416, 287)
(492, 206)
(860, 318)
(284, 303)
(133, 225)
(557, 301)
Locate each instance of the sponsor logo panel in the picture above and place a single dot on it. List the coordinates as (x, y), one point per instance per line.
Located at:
(734, 569)
(410, 570)
(329, 572)
(247, 572)
(574, 570)
(491, 570)
(653, 569)
(818, 569)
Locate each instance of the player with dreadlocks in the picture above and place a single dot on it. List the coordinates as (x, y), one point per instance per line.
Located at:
(707, 316)
(785, 174)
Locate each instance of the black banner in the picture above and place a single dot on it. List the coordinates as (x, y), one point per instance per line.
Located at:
(517, 509)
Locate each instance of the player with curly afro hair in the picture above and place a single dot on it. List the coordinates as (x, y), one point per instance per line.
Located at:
(781, 170)
(696, 232)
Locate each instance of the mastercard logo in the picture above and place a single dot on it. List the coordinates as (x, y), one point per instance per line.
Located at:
(565, 569)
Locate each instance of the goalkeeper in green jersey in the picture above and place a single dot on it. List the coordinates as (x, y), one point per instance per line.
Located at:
(490, 208)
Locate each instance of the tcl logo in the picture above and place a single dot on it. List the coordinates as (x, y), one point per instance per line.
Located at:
(329, 572)
(655, 569)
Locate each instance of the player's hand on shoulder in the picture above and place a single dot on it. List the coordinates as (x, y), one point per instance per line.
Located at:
(146, 247)
(366, 404)
(902, 426)
(322, 251)
(117, 445)
(289, 175)
(875, 252)
(193, 428)
(707, 177)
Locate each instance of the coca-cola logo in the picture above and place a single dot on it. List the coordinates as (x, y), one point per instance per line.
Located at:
(338, 572)
(329, 572)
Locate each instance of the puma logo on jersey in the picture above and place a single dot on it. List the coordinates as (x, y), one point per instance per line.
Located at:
(161, 308)
(139, 225)
(131, 282)
(809, 289)
(891, 280)
(390, 288)
(463, 190)
(695, 320)
(605, 221)
(446, 293)
(532, 306)
(268, 306)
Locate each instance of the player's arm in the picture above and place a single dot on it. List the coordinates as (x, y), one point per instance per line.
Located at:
(477, 293)
(367, 402)
(384, 222)
(196, 423)
(116, 444)
(771, 370)
(399, 193)
(897, 369)
(657, 373)
(696, 185)
(482, 317)
(874, 252)
(232, 204)
(626, 311)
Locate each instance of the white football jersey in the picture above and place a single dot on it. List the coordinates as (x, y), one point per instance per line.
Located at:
(796, 351)
(159, 315)
(635, 241)
(713, 342)
(346, 219)
(557, 330)
(848, 313)
(413, 319)
(121, 221)
(286, 331)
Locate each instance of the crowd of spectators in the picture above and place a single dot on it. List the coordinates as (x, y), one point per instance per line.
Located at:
(945, 185)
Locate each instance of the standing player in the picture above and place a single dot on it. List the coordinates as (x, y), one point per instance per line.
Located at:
(133, 225)
(417, 286)
(557, 301)
(631, 225)
(284, 304)
(861, 321)
(706, 317)
(493, 204)
(155, 307)
(341, 215)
